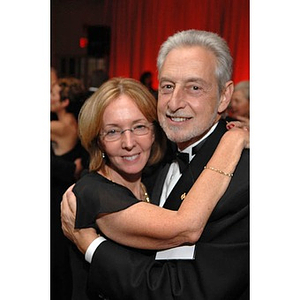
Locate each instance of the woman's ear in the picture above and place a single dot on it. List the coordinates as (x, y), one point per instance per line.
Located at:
(65, 102)
(226, 96)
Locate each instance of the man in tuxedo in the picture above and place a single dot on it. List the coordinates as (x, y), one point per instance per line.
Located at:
(195, 88)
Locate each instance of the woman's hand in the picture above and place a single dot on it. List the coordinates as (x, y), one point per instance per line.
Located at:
(242, 130)
(81, 237)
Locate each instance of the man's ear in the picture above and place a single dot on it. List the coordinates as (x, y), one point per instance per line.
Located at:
(226, 96)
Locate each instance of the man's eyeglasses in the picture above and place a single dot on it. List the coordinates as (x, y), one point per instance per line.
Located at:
(115, 134)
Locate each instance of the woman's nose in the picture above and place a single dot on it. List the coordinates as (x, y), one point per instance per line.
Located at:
(128, 139)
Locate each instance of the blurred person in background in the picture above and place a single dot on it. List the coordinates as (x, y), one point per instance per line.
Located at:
(240, 103)
(68, 158)
(146, 79)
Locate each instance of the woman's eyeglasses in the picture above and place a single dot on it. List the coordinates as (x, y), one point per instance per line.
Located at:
(115, 134)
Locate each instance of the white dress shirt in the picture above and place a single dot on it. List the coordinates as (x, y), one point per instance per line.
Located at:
(174, 174)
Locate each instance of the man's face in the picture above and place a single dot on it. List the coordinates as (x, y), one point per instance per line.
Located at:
(188, 99)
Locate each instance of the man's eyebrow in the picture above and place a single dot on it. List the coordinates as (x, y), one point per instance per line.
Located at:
(165, 79)
(196, 79)
(188, 80)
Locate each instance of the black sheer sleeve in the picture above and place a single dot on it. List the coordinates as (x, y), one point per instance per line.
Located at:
(95, 194)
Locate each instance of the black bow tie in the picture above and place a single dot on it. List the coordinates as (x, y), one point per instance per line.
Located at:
(183, 159)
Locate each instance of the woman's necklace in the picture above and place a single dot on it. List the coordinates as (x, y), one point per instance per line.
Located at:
(144, 195)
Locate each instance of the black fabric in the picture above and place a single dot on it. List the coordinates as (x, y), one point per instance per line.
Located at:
(62, 176)
(95, 194)
(183, 160)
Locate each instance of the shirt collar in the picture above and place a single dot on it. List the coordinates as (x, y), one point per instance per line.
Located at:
(190, 148)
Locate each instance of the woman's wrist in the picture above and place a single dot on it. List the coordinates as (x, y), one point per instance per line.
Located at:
(228, 152)
(240, 137)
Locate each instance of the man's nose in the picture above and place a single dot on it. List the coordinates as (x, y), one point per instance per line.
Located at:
(177, 99)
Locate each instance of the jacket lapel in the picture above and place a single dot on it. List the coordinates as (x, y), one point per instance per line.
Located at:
(195, 167)
(159, 183)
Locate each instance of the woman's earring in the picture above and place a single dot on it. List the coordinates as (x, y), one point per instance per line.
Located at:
(103, 155)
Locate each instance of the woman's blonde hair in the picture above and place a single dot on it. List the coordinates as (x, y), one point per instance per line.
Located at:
(91, 118)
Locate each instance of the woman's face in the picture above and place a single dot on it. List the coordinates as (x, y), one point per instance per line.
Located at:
(239, 105)
(55, 98)
(128, 154)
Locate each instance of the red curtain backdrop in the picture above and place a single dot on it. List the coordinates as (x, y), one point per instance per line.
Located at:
(138, 28)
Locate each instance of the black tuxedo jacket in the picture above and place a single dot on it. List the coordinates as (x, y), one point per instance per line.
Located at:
(221, 266)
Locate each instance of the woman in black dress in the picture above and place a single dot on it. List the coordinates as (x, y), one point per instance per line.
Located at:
(68, 158)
